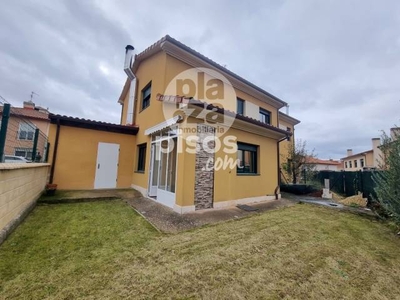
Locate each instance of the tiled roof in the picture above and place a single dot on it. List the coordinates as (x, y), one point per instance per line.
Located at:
(27, 113)
(357, 154)
(91, 124)
(312, 160)
(226, 112)
(288, 118)
(158, 46)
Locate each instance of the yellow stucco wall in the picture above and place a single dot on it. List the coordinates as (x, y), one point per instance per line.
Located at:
(368, 162)
(75, 166)
(227, 184)
(160, 69)
(150, 70)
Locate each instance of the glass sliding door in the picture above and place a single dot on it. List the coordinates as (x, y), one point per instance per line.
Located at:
(163, 167)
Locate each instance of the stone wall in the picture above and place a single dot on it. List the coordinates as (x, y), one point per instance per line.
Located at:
(204, 183)
(20, 186)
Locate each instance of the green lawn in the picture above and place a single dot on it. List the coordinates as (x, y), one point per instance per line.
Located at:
(104, 250)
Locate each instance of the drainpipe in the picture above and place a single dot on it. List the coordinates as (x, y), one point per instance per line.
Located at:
(132, 89)
(287, 138)
(53, 164)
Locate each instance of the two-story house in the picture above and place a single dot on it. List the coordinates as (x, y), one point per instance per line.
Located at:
(22, 124)
(207, 137)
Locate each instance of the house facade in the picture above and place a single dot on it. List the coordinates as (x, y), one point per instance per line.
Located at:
(207, 138)
(22, 124)
(324, 164)
(370, 159)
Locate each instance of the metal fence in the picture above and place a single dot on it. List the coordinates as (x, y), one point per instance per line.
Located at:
(350, 183)
(22, 137)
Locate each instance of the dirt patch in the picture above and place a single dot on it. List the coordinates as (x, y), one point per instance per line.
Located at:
(356, 200)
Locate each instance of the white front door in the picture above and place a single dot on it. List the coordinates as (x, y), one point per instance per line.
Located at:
(106, 166)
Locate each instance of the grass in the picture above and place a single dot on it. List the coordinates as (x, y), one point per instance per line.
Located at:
(104, 250)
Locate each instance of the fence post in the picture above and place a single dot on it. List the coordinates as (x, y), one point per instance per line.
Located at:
(46, 158)
(35, 142)
(3, 129)
(344, 183)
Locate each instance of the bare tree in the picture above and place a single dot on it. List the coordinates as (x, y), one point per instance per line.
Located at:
(298, 161)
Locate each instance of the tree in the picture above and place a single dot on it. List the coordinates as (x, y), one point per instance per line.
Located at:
(299, 161)
(388, 181)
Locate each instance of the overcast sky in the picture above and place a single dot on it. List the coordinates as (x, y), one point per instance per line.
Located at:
(337, 63)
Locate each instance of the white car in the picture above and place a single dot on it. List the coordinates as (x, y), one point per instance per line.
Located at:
(15, 159)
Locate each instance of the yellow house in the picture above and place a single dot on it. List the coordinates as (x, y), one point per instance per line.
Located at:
(371, 159)
(207, 137)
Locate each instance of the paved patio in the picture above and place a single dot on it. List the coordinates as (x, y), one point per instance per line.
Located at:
(162, 217)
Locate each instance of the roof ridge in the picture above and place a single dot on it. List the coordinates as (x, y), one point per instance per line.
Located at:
(210, 61)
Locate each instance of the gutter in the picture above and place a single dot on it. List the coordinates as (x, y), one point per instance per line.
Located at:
(53, 163)
(132, 87)
(287, 138)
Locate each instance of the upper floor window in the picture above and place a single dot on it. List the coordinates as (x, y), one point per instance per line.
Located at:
(350, 165)
(362, 162)
(355, 163)
(345, 164)
(247, 159)
(265, 116)
(146, 95)
(240, 106)
(26, 131)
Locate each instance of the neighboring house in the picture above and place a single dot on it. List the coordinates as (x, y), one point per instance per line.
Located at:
(370, 159)
(178, 179)
(21, 129)
(324, 164)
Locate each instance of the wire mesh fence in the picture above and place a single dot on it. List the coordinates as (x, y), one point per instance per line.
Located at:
(24, 136)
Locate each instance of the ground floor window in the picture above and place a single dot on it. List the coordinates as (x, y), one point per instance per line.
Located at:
(141, 157)
(247, 158)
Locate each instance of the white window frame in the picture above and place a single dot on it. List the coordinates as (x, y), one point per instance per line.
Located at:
(28, 128)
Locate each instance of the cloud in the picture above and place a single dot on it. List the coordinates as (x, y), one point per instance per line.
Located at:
(335, 62)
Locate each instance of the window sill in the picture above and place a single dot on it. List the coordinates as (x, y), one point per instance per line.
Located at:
(140, 172)
(248, 174)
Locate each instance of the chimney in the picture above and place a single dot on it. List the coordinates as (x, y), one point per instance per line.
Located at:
(349, 152)
(29, 105)
(395, 133)
(377, 153)
(132, 88)
(128, 61)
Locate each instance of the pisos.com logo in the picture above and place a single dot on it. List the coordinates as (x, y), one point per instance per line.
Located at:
(201, 95)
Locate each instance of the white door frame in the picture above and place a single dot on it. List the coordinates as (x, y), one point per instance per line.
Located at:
(164, 197)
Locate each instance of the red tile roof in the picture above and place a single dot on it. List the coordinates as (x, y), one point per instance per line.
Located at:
(27, 113)
(312, 160)
(357, 154)
(157, 46)
(91, 124)
(221, 110)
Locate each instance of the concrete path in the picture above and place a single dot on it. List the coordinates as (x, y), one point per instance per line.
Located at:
(162, 217)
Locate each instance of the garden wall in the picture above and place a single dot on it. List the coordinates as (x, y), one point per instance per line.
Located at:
(20, 186)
